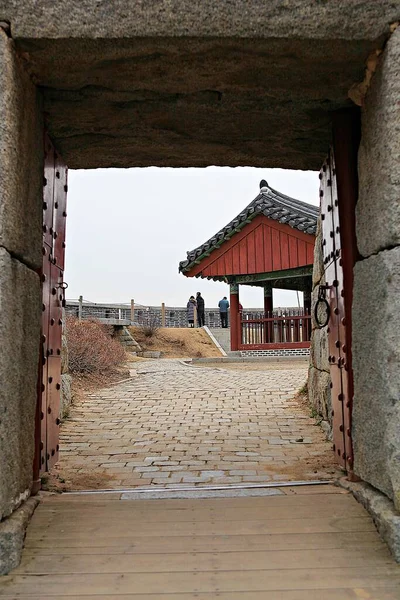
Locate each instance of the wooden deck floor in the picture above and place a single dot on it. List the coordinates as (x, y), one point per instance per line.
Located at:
(312, 543)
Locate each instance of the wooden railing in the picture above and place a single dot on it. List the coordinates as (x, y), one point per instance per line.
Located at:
(286, 331)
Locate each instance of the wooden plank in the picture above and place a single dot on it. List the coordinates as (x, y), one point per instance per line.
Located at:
(284, 246)
(259, 249)
(239, 581)
(267, 248)
(302, 252)
(251, 253)
(132, 515)
(317, 594)
(276, 250)
(293, 255)
(236, 258)
(315, 490)
(220, 266)
(273, 526)
(204, 561)
(229, 263)
(243, 257)
(228, 543)
(310, 254)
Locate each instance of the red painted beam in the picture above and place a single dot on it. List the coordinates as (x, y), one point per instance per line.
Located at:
(257, 249)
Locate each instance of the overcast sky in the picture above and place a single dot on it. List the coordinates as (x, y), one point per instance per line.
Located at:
(127, 230)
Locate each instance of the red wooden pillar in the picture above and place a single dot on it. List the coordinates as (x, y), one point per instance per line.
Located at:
(268, 308)
(268, 302)
(307, 301)
(235, 316)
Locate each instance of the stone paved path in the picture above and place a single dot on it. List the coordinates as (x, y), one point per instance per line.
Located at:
(174, 424)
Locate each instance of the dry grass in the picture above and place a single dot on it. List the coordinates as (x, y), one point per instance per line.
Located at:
(83, 383)
(178, 342)
(91, 347)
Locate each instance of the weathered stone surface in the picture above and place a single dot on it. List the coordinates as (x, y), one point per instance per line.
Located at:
(233, 83)
(319, 350)
(21, 169)
(319, 379)
(319, 393)
(20, 312)
(194, 101)
(378, 208)
(386, 518)
(238, 83)
(376, 362)
(12, 535)
(358, 19)
(65, 395)
(318, 265)
(64, 345)
(151, 354)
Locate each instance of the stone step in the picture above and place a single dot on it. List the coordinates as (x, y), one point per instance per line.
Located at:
(223, 337)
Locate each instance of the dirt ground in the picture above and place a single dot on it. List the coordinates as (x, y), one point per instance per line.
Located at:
(84, 383)
(177, 342)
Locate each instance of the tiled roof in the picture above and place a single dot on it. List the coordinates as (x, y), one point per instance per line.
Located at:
(272, 204)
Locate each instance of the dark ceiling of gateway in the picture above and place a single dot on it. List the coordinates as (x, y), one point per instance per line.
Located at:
(253, 85)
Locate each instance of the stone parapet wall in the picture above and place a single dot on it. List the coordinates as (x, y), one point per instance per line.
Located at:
(175, 316)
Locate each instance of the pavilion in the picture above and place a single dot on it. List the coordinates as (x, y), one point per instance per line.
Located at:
(270, 244)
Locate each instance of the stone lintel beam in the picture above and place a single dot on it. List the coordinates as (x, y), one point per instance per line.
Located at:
(358, 19)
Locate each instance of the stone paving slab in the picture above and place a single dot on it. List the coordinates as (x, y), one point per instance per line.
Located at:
(173, 425)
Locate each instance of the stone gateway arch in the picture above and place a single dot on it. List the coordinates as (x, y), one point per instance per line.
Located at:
(177, 83)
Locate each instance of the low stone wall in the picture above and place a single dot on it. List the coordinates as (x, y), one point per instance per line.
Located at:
(319, 379)
(283, 352)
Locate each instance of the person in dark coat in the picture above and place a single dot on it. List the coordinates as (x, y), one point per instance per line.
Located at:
(223, 311)
(191, 305)
(200, 310)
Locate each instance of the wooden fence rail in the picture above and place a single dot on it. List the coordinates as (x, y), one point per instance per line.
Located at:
(288, 331)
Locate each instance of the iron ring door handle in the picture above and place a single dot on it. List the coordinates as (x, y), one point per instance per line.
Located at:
(322, 301)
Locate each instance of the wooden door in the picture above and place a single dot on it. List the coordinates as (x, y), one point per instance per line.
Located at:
(54, 220)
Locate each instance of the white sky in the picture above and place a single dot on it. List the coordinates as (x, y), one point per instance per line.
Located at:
(127, 230)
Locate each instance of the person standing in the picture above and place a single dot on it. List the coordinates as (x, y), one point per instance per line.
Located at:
(200, 309)
(223, 311)
(191, 305)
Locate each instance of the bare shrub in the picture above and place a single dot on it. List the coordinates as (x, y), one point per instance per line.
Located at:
(91, 349)
(150, 329)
